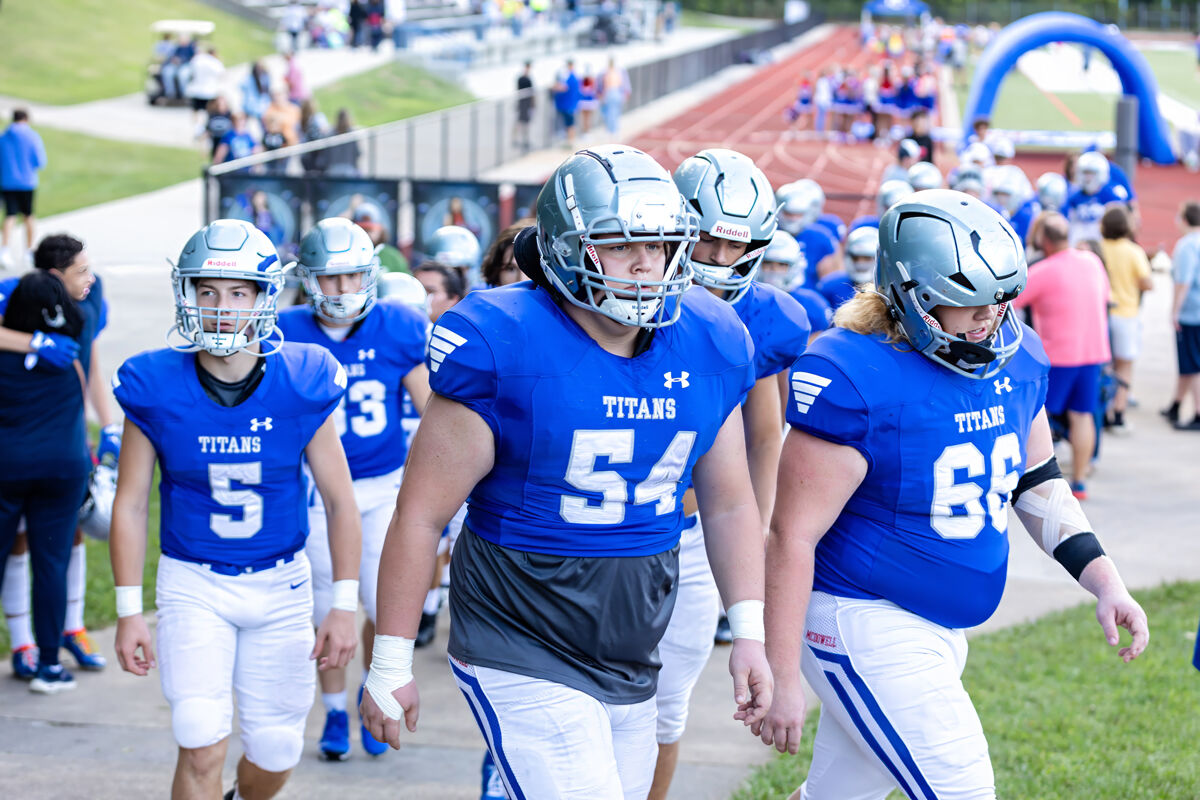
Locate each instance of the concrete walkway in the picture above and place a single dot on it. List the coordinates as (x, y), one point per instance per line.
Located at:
(111, 738)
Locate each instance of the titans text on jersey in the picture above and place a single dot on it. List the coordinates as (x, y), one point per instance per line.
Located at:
(927, 528)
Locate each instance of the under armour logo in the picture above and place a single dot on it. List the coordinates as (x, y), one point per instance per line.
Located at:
(1006, 385)
(255, 424)
(363, 355)
(682, 380)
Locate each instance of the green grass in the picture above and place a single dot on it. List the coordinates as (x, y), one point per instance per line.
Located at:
(1022, 106)
(85, 170)
(1065, 719)
(1176, 73)
(388, 93)
(699, 19)
(62, 52)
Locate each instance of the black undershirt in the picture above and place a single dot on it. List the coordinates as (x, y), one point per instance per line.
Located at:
(231, 394)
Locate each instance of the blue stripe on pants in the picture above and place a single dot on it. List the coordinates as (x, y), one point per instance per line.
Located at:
(493, 725)
(885, 725)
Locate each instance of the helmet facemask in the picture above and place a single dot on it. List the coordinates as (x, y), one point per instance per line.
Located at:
(247, 326)
(341, 309)
(734, 279)
(640, 217)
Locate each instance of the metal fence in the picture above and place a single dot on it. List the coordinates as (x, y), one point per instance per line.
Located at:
(462, 142)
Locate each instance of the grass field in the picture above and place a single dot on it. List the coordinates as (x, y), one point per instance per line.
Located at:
(1176, 73)
(85, 170)
(62, 52)
(388, 93)
(1065, 719)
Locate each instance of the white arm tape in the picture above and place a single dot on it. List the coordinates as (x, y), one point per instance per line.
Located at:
(391, 668)
(746, 620)
(129, 600)
(1056, 508)
(345, 596)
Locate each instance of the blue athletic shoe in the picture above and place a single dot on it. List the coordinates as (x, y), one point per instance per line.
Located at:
(25, 662)
(80, 646)
(335, 739)
(373, 746)
(52, 680)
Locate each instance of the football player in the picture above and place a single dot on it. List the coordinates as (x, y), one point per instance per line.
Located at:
(1086, 205)
(800, 206)
(574, 410)
(783, 267)
(458, 248)
(381, 345)
(858, 258)
(916, 421)
(737, 213)
(229, 415)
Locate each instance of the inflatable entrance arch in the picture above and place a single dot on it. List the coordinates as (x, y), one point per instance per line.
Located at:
(1154, 139)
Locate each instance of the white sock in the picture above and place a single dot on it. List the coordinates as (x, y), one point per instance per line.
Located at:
(334, 701)
(15, 599)
(433, 600)
(76, 586)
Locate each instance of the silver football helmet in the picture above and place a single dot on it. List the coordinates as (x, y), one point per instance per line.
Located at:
(1091, 171)
(734, 201)
(337, 246)
(1008, 188)
(923, 175)
(607, 196)
(968, 179)
(892, 192)
(455, 246)
(95, 516)
(946, 248)
(860, 253)
(226, 249)
(783, 249)
(1052, 191)
(800, 203)
(404, 289)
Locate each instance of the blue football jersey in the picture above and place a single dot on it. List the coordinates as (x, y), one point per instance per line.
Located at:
(231, 489)
(865, 221)
(384, 348)
(778, 327)
(820, 313)
(927, 528)
(836, 288)
(834, 224)
(1084, 211)
(816, 242)
(1024, 217)
(592, 449)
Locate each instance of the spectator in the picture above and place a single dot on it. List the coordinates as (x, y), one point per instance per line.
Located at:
(342, 159)
(256, 91)
(22, 154)
(375, 12)
(205, 83)
(1129, 276)
(822, 99)
(292, 22)
(588, 102)
(313, 126)
(500, 266)
(614, 92)
(357, 17)
(41, 414)
(274, 139)
(396, 19)
(298, 90)
(908, 152)
(566, 101)
(444, 285)
(1185, 314)
(525, 101)
(238, 143)
(283, 113)
(921, 135)
(1068, 293)
(219, 123)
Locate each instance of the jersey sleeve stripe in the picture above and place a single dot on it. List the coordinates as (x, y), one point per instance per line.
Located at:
(808, 377)
(449, 335)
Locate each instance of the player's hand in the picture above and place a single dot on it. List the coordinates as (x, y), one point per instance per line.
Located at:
(752, 681)
(1117, 608)
(54, 349)
(336, 638)
(784, 721)
(132, 635)
(383, 727)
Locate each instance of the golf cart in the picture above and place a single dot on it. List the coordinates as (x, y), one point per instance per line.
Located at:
(167, 75)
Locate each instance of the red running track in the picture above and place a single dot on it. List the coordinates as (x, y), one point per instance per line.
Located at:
(748, 117)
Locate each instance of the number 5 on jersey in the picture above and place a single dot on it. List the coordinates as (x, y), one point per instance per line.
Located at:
(658, 487)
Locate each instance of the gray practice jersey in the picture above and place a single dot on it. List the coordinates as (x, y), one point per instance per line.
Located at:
(591, 623)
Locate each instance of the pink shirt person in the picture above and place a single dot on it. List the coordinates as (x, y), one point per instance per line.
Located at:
(1068, 293)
